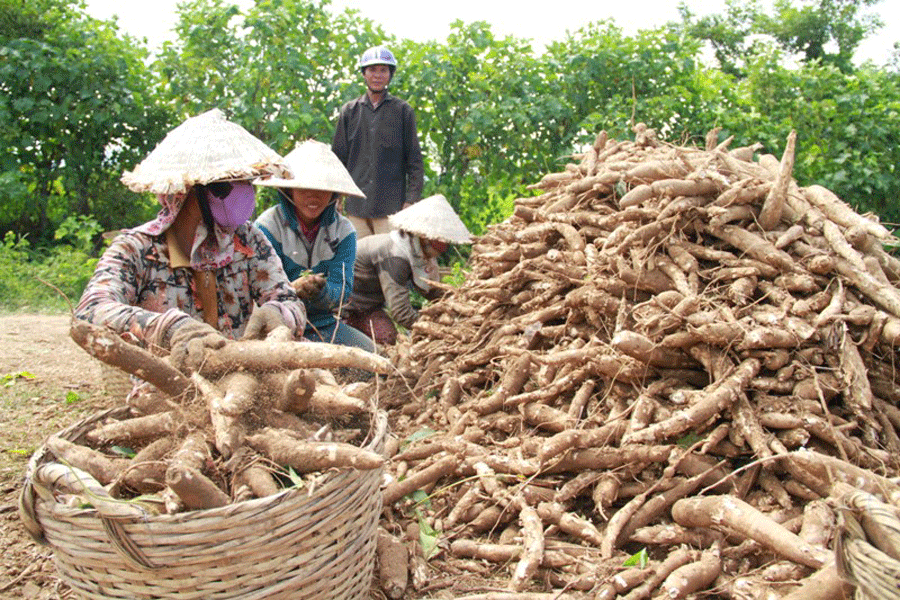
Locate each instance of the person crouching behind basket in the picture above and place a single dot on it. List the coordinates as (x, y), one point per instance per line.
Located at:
(316, 245)
(199, 273)
(389, 265)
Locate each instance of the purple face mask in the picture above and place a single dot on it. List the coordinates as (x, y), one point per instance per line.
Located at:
(231, 202)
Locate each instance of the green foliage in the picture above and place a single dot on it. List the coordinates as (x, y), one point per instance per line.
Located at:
(688, 440)
(420, 498)
(846, 127)
(428, 537)
(417, 436)
(638, 559)
(79, 232)
(458, 274)
(491, 202)
(729, 35)
(294, 479)
(282, 70)
(486, 113)
(123, 451)
(78, 108)
(613, 82)
(811, 31)
(44, 279)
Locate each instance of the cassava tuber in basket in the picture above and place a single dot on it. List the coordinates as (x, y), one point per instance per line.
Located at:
(312, 542)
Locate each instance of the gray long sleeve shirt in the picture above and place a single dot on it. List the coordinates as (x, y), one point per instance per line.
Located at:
(380, 148)
(382, 277)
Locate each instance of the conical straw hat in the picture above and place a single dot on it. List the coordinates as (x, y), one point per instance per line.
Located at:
(204, 148)
(432, 218)
(314, 166)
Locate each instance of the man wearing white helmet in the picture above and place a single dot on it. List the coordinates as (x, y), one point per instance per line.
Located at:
(389, 265)
(377, 141)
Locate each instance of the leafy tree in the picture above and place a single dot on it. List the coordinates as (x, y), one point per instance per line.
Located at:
(612, 81)
(730, 35)
(282, 70)
(79, 109)
(484, 112)
(809, 30)
(819, 30)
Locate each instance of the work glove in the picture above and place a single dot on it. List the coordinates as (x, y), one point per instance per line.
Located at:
(189, 342)
(309, 286)
(262, 322)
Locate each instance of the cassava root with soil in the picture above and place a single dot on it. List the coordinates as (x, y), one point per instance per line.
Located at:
(257, 416)
(671, 352)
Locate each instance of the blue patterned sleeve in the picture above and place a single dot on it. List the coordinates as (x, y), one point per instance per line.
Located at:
(338, 276)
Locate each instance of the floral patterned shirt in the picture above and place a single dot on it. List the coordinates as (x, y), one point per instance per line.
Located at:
(135, 288)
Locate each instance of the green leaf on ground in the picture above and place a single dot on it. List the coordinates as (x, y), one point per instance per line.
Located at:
(10, 378)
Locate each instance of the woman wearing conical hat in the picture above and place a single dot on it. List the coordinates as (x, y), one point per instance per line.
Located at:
(389, 265)
(199, 273)
(316, 244)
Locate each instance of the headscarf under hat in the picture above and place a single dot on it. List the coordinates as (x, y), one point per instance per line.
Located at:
(209, 252)
(201, 150)
(424, 270)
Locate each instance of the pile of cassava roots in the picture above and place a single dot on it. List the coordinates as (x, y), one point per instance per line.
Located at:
(670, 374)
(253, 419)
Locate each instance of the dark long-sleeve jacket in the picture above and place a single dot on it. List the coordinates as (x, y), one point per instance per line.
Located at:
(380, 148)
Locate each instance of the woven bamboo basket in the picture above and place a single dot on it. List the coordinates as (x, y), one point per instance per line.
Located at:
(867, 556)
(297, 544)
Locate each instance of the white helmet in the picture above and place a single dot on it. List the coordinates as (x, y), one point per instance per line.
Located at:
(378, 55)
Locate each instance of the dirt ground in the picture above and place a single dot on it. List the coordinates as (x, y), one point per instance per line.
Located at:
(65, 388)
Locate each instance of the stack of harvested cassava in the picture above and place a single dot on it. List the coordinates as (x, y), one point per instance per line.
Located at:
(251, 474)
(668, 374)
(231, 430)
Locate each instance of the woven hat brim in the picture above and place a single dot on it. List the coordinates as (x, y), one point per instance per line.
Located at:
(314, 166)
(204, 148)
(335, 186)
(432, 218)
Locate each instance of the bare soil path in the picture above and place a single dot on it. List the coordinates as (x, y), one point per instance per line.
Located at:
(47, 382)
